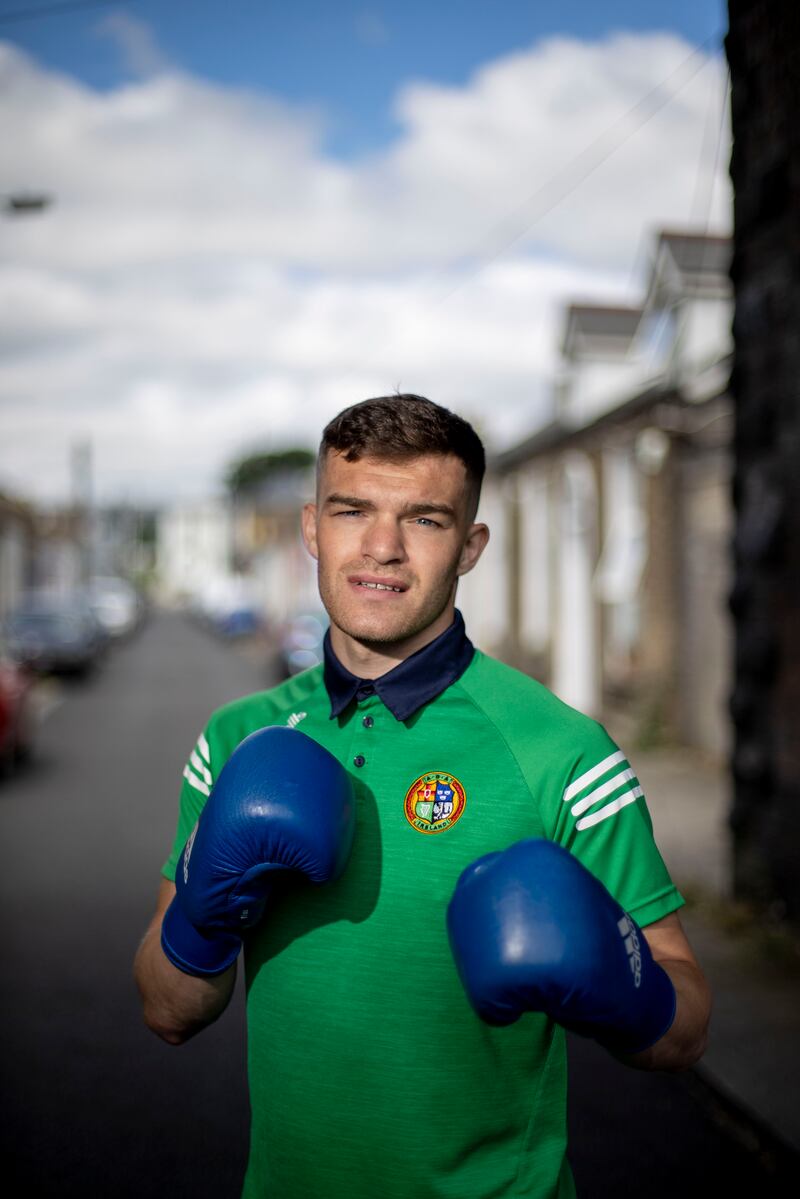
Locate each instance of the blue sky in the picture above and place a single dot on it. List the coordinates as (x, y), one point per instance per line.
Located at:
(345, 59)
(263, 212)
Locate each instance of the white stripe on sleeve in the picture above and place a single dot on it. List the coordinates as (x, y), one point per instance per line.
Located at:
(202, 745)
(589, 777)
(610, 809)
(202, 770)
(626, 776)
(194, 781)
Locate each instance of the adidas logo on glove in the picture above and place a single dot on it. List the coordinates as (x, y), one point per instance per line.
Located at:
(628, 931)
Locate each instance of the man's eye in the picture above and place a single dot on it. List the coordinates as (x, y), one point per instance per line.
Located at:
(426, 522)
(348, 512)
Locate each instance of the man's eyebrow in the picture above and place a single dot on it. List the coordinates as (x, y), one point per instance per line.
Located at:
(350, 501)
(420, 509)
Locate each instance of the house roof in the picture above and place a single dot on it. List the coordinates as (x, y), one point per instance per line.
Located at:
(558, 435)
(595, 325)
(698, 253)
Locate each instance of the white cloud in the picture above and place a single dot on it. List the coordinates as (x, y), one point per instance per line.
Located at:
(371, 28)
(209, 280)
(138, 49)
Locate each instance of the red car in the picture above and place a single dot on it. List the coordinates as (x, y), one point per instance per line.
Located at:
(17, 721)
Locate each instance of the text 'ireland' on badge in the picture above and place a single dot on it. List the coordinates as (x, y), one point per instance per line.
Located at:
(434, 802)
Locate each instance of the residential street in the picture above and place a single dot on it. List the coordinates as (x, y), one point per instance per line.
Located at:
(93, 1104)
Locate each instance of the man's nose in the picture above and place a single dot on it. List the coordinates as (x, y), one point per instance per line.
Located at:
(383, 541)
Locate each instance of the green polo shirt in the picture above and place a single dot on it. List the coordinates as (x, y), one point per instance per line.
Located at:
(370, 1075)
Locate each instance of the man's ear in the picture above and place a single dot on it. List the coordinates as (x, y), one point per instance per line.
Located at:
(309, 529)
(473, 547)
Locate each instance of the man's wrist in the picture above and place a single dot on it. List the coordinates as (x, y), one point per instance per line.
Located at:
(654, 1020)
(203, 953)
(683, 1043)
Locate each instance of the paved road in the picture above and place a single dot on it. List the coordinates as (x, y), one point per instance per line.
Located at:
(92, 1104)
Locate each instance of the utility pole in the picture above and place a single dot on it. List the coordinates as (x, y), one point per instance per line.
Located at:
(763, 48)
(82, 505)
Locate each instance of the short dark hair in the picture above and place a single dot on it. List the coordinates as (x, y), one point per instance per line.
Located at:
(405, 426)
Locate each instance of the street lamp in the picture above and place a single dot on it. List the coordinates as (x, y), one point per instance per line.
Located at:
(24, 203)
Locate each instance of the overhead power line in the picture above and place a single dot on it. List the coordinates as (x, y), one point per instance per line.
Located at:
(705, 178)
(564, 182)
(549, 195)
(702, 200)
(17, 15)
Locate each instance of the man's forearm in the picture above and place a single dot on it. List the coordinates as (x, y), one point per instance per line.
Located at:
(176, 1005)
(685, 1041)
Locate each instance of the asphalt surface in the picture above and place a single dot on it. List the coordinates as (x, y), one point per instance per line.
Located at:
(94, 1105)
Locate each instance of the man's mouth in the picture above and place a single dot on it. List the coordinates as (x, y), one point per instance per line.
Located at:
(394, 586)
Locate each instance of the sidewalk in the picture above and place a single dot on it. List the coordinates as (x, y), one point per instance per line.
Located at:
(753, 1057)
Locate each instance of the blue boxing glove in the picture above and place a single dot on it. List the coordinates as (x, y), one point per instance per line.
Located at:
(532, 930)
(281, 802)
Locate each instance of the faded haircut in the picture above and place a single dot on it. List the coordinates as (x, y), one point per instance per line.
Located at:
(398, 427)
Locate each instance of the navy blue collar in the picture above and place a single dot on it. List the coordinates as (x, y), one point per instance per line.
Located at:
(410, 684)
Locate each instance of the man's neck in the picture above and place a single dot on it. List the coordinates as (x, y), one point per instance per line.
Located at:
(370, 660)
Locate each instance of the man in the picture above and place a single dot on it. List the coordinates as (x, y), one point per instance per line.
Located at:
(385, 1059)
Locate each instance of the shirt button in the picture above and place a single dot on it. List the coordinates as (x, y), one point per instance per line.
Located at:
(359, 760)
(367, 722)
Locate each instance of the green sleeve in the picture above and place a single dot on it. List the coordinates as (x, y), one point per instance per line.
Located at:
(602, 818)
(198, 778)
(227, 728)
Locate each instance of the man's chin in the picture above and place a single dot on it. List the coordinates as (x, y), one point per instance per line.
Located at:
(378, 631)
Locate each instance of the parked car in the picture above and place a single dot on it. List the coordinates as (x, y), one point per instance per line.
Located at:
(17, 712)
(58, 633)
(116, 604)
(228, 605)
(300, 643)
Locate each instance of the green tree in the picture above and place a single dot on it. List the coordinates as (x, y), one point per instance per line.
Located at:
(255, 469)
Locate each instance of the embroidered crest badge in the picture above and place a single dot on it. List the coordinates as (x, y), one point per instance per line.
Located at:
(434, 802)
